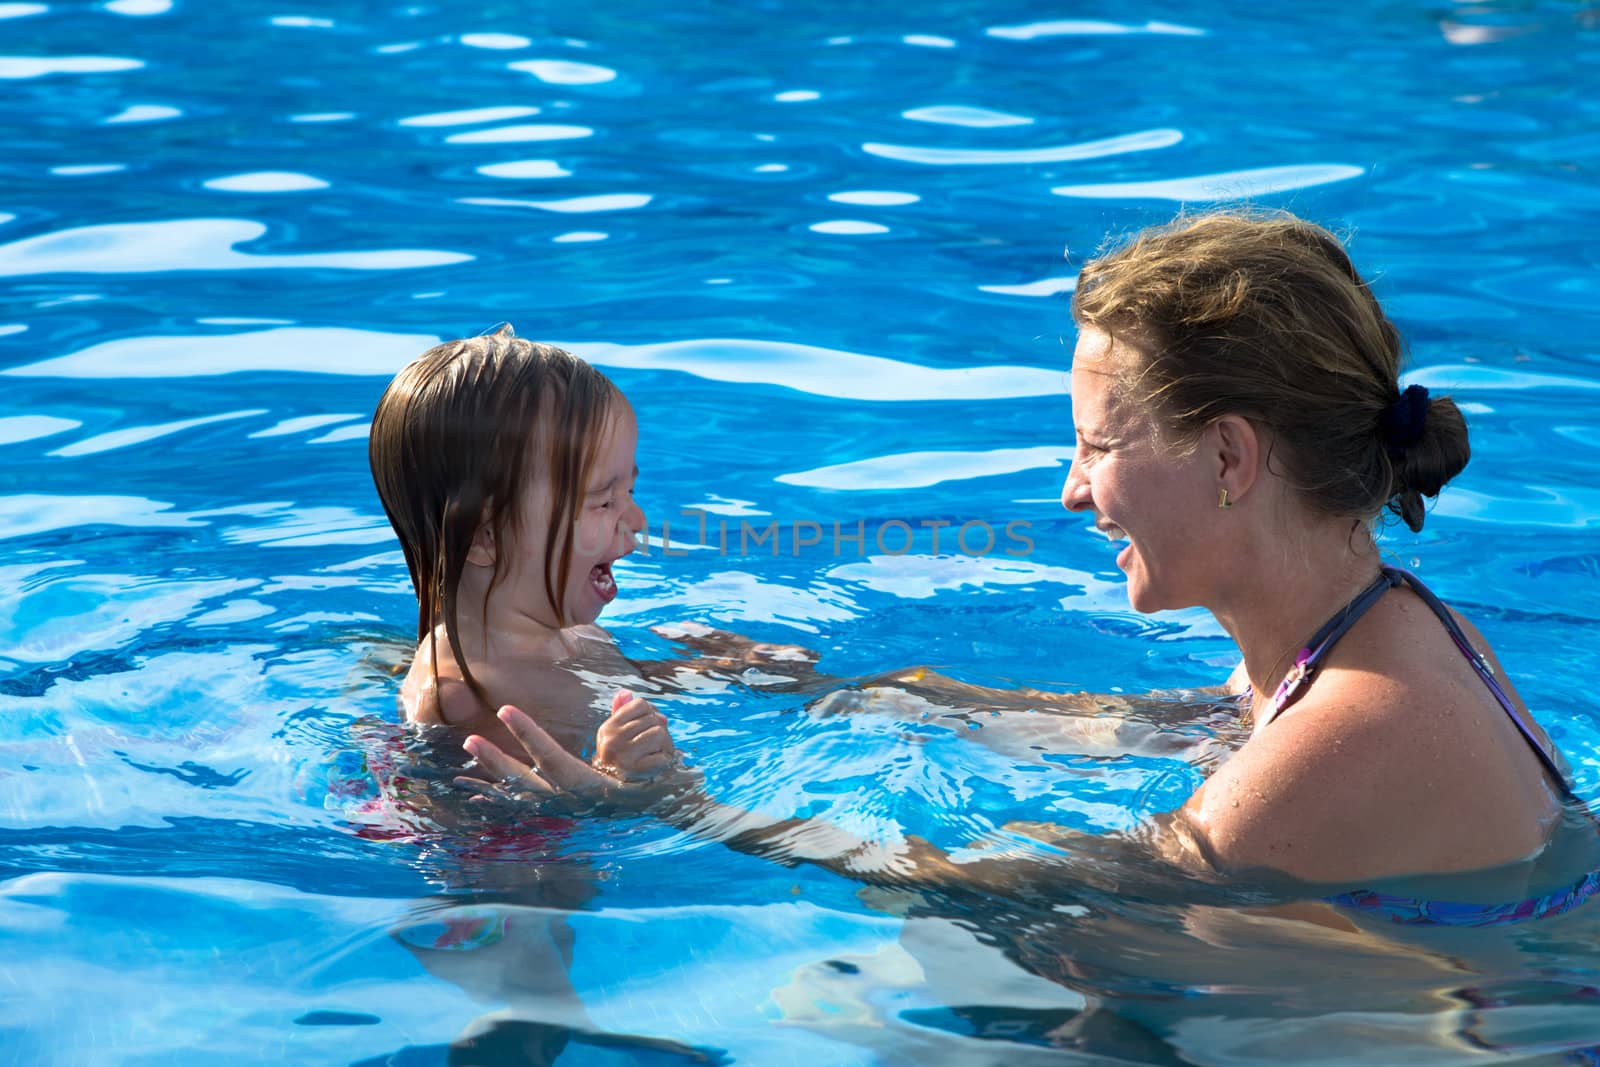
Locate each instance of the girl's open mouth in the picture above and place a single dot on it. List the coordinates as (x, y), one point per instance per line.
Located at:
(605, 586)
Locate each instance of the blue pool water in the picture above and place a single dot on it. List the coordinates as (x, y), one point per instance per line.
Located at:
(826, 251)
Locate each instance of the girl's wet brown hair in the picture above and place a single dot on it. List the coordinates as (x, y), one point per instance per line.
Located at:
(1263, 315)
(455, 440)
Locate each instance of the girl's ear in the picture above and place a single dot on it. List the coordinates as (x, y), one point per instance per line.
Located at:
(482, 552)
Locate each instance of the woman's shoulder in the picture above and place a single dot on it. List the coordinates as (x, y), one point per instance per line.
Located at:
(1386, 766)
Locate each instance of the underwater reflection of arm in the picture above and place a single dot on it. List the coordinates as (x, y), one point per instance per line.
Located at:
(1032, 725)
(724, 655)
(1051, 864)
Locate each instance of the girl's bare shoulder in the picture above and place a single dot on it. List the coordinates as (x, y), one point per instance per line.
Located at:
(434, 691)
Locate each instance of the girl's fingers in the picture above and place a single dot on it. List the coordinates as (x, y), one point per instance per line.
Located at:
(632, 710)
(623, 696)
(649, 765)
(655, 739)
(626, 733)
(625, 761)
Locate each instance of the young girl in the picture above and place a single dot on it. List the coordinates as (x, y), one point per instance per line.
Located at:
(506, 468)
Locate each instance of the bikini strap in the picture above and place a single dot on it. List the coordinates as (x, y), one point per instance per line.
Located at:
(1485, 672)
(1310, 658)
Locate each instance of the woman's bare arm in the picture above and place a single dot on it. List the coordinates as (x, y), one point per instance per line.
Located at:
(728, 656)
(680, 799)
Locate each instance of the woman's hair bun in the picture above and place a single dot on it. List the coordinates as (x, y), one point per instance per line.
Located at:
(1422, 468)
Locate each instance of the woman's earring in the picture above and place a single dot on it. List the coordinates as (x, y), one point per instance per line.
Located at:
(1222, 501)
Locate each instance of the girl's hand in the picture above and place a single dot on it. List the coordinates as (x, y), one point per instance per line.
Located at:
(549, 771)
(633, 744)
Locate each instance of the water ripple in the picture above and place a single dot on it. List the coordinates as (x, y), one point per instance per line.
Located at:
(25, 514)
(186, 245)
(565, 72)
(266, 181)
(75, 170)
(1042, 287)
(1143, 141)
(17, 428)
(495, 42)
(138, 435)
(1230, 185)
(919, 577)
(1547, 507)
(303, 424)
(144, 113)
(69, 616)
(849, 227)
(1471, 377)
(805, 368)
(874, 198)
(302, 22)
(828, 372)
(516, 134)
(1089, 28)
(918, 470)
(972, 117)
(470, 116)
(25, 67)
(520, 169)
(572, 205)
(303, 349)
(343, 433)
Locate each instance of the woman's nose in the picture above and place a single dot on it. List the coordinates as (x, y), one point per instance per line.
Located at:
(1075, 493)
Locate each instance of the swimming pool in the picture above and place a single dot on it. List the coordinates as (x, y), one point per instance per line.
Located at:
(826, 251)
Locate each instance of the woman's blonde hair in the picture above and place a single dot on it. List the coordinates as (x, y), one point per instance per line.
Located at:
(451, 446)
(1263, 315)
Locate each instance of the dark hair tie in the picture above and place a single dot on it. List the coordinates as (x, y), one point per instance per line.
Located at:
(1404, 422)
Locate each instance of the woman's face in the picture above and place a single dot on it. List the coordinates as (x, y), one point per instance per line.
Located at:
(1137, 490)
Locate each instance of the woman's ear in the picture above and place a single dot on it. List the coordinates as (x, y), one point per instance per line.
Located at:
(482, 553)
(1238, 454)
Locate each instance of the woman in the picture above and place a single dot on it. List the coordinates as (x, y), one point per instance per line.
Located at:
(1240, 424)
(1241, 428)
